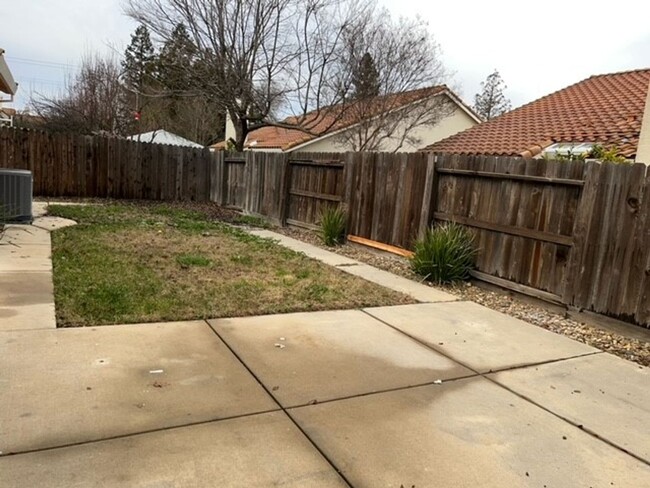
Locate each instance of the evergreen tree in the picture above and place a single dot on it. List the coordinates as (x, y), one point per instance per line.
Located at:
(365, 78)
(491, 102)
(176, 61)
(139, 63)
(139, 69)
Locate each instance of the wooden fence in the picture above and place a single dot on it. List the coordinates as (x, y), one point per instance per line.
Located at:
(86, 166)
(574, 233)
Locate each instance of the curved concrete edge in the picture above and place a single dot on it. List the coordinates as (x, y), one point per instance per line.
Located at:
(50, 223)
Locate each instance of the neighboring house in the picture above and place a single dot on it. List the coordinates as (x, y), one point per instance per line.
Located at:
(611, 110)
(335, 129)
(9, 87)
(164, 137)
(7, 116)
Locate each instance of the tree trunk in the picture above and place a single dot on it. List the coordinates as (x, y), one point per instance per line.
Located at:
(241, 131)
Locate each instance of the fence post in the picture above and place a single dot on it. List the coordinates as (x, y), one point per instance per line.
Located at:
(429, 197)
(216, 176)
(251, 180)
(574, 275)
(286, 187)
(179, 174)
(348, 178)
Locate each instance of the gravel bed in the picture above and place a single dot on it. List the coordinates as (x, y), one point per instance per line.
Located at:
(624, 347)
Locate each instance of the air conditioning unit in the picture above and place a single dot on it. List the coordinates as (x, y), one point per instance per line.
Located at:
(15, 196)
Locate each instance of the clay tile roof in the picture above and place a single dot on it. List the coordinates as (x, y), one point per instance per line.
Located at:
(605, 109)
(326, 121)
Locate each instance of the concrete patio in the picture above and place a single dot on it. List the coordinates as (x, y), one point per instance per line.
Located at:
(319, 399)
(444, 393)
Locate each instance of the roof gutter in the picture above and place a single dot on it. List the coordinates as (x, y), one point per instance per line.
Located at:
(7, 83)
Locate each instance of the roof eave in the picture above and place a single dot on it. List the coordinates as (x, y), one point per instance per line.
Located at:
(7, 82)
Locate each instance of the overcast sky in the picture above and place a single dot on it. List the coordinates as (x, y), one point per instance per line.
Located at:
(538, 47)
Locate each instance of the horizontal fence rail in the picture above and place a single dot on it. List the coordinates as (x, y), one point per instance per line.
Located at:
(575, 233)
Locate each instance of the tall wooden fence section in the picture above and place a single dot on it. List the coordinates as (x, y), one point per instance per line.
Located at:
(522, 211)
(87, 166)
(574, 233)
(609, 268)
(389, 196)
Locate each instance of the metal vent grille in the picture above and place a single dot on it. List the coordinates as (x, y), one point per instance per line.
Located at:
(15, 196)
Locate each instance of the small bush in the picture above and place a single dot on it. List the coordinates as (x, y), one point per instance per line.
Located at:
(445, 254)
(332, 225)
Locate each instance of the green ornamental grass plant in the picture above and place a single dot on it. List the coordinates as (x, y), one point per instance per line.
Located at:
(332, 225)
(445, 254)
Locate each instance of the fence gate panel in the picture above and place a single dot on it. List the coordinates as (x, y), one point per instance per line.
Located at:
(522, 212)
(313, 186)
(234, 182)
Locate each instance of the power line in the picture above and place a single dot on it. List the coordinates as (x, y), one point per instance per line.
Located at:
(45, 64)
(40, 81)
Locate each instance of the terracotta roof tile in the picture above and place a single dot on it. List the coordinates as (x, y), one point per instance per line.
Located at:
(606, 109)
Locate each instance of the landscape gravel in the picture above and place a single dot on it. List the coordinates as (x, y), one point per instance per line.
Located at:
(503, 301)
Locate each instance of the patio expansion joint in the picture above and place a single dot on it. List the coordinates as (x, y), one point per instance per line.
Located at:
(487, 376)
(384, 390)
(135, 434)
(282, 408)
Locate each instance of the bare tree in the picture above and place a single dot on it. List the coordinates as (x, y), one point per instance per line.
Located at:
(491, 102)
(90, 103)
(258, 55)
(408, 92)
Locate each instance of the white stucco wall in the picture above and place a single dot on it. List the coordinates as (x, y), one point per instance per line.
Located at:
(450, 125)
(643, 151)
(230, 129)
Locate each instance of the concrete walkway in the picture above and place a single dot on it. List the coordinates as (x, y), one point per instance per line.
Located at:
(438, 394)
(26, 293)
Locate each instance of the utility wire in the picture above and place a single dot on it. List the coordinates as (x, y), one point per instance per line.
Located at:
(46, 64)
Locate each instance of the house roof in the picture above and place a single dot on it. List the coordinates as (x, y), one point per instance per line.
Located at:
(335, 118)
(605, 109)
(164, 137)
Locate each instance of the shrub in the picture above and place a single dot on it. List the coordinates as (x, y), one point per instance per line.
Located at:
(332, 225)
(445, 254)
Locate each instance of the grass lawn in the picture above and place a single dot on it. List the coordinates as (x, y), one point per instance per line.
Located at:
(125, 263)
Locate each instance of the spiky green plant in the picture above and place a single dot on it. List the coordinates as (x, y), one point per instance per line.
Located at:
(445, 254)
(332, 226)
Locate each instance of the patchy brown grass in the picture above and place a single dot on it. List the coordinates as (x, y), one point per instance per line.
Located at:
(129, 265)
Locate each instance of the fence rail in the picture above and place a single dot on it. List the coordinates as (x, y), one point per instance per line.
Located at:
(578, 233)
